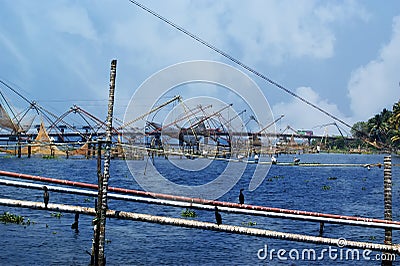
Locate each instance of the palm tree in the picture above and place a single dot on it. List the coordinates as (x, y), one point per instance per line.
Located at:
(395, 122)
(379, 126)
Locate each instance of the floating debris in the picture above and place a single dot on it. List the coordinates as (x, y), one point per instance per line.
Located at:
(188, 213)
(7, 217)
(325, 187)
(250, 223)
(56, 214)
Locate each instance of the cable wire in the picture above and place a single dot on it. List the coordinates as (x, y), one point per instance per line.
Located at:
(237, 61)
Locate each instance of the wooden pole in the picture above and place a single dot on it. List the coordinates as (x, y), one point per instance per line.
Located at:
(29, 150)
(107, 159)
(96, 229)
(387, 194)
(202, 225)
(19, 145)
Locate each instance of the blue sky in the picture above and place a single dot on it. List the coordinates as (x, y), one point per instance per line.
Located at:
(341, 55)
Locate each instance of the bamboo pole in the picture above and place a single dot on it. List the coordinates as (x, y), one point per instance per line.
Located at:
(203, 225)
(202, 206)
(106, 169)
(387, 194)
(198, 200)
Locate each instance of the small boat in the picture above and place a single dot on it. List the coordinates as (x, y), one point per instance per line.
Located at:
(296, 161)
(273, 160)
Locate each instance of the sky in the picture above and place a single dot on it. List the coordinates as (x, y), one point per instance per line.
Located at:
(343, 56)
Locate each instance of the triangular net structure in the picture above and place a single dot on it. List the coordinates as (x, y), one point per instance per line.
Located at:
(81, 151)
(5, 120)
(42, 145)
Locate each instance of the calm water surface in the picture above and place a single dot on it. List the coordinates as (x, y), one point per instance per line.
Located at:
(50, 241)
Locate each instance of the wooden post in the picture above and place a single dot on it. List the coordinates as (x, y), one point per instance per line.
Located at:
(387, 194)
(94, 150)
(89, 150)
(106, 169)
(19, 145)
(96, 229)
(29, 150)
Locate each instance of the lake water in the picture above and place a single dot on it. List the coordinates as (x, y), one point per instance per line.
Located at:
(353, 191)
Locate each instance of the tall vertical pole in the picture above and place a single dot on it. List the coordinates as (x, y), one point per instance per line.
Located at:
(19, 144)
(106, 167)
(387, 194)
(95, 247)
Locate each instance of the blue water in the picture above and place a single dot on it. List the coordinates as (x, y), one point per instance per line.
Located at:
(50, 241)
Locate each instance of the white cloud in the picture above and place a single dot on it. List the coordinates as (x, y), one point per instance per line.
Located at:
(302, 116)
(275, 30)
(376, 85)
(332, 12)
(254, 31)
(73, 20)
(73, 42)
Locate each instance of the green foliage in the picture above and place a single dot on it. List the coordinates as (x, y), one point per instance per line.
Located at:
(382, 129)
(6, 156)
(48, 157)
(326, 187)
(7, 217)
(56, 214)
(250, 223)
(188, 213)
(276, 177)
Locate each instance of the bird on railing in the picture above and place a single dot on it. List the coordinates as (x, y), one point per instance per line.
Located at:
(46, 196)
(241, 197)
(218, 217)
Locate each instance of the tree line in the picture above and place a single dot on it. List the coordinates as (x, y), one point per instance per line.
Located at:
(381, 131)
